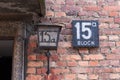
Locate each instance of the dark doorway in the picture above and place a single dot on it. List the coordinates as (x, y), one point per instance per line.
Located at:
(6, 52)
(5, 68)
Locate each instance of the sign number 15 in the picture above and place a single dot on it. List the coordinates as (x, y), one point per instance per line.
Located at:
(85, 33)
(83, 28)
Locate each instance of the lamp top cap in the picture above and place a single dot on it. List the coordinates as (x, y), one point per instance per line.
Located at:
(48, 24)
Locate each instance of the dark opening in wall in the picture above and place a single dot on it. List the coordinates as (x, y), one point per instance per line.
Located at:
(6, 52)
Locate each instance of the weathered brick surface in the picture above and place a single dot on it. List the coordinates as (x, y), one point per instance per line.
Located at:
(31, 70)
(68, 63)
(32, 57)
(35, 64)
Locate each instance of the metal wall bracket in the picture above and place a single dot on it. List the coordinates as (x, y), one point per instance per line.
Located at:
(48, 62)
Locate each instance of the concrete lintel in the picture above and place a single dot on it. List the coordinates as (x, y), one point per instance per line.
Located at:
(15, 17)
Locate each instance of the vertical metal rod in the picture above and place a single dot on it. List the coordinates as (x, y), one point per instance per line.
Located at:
(48, 61)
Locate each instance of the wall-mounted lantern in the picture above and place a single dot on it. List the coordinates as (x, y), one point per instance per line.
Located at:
(48, 37)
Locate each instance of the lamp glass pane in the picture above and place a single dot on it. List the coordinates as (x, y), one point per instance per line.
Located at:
(48, 37)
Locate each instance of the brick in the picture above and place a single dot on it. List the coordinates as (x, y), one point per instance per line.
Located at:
(107, 70)
(106, 20)
(32, 57)
(78, 70)
(71, 57)
(49, 14)
(113, 56)
(91, 8)
(93, 14)
(116, 31)
(72, 63)
(93, 63)
(61, 50)
(53, 64)
(112, 25)
(49, 2)
(69, 2)
(41, 57)
(66, 32)
(114, 76)
(117, 69)
(33, 37)
(56, 8)
(59, 71)
(113, 38)
(60, 14)
(103, 70)
(113, 14)
(118, 44)
(106, 32)
(111, 8)
(31, 70)
(65, 38)
(105, 50)
(80, 2)
(54, 77)
(115, 50)
(66, 8)
(61, 20)
(118, 2)
(61, 63)
(103, 37)
(72, 13)
(93, 57)
(82, 76)
(83, 50)
(101, 2)
(105, 63)
(107, 44)
(32, 44)
(65, 44)
(61, 2)
(41, 71)
(91, 2)
(111, 2)
(117, 20)
(114, 63)
(82, 13)
(66, 58)
(94, 51)
(75, 57)
(83, 63)
(103, 13)
(93, 76)
(70, 77)
(104, 76)
(70, 10)
(104, 25)
(98, 70)
(109, 63)
(35, 64)
(68, 26)
(54, 57)
(111, 44)
(34, 77)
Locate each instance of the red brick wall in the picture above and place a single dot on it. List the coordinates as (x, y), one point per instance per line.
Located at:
(68, 63)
